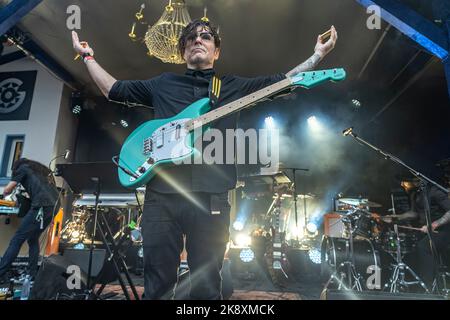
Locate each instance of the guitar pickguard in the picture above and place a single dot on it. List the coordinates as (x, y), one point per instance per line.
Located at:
(168, 143)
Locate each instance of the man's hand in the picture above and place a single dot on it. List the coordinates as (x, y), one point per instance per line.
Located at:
(320, 51)
(80, 47)
(323, 48)
(434, 226)
(387, 219)
(9, 188)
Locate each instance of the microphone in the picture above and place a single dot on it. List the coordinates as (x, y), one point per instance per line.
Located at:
(66, 155)
(347, 131)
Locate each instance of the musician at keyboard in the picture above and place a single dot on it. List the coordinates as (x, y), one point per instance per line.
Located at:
(39, 183)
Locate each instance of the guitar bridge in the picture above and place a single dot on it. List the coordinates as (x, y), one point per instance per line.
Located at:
(148, 146)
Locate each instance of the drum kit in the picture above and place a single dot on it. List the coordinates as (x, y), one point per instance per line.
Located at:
(369, 253)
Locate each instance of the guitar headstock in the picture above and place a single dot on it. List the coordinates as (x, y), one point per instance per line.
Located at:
(311, 78)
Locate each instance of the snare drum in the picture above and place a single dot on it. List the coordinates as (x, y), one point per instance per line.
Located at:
(365, 226)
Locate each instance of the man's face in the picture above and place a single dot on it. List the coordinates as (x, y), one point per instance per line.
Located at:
(409, 186)
(201, 52)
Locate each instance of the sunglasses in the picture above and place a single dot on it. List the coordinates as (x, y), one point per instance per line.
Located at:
(207, 36)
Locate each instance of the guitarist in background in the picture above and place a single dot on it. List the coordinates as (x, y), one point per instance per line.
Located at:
(189, 200)
(38, 182)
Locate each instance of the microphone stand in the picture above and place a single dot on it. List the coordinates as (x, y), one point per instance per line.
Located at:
(424, 182)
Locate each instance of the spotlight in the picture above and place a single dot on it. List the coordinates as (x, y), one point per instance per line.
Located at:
(124, 123)
(136, 235)
(311, 227)
(243, 240)
(76, 103)
(356, 103)
(238, 225)
(76, 109)
(297, 232)
(247, 255)
(75, 234)
(79, 246)
(315, 256)
(270, 122)
(313, 123)
(140, 252)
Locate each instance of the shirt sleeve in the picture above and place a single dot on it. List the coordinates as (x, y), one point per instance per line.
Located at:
(135, 91)
(441, 199)
(19, 174)
(250, 85)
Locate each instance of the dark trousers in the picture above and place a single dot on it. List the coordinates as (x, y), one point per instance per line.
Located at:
(29, 230)
(204, 219)
(425, 263)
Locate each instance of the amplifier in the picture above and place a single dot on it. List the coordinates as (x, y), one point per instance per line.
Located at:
(333, 226)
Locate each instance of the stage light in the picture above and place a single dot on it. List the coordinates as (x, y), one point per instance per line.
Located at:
(356, 103)
(124, 123)
(243, 240)
(238, 225)
(297, 232)
(311, 227)
(247, 255)
(136, 235)
(75, 234)
(79, 246)
(270, 122)
(314, 124)
(140, 252)
(76, 109)
(315, 256)
(76, 103)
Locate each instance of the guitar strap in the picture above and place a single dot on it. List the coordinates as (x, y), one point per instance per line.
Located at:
(214, 90)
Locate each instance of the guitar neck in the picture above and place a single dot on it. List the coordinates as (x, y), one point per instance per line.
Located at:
(304, 79)
(238, 105)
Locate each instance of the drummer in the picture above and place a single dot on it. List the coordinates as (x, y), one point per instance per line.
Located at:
(440, 223)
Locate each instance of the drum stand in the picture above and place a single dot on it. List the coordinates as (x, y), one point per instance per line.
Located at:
(346, 271)
(440, 281)
(397, 279)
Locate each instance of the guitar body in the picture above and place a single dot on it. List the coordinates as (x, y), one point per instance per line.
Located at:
(158, 143)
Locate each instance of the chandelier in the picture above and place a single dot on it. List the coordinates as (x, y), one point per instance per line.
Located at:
(161, 39)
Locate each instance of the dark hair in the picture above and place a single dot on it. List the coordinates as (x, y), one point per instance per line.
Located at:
(36, 167)
(192, 27)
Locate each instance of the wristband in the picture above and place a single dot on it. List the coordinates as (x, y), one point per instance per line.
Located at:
(87, 58)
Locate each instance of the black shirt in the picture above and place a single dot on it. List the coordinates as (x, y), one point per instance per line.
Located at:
(171, 93)
(439, 202)
(41, 191)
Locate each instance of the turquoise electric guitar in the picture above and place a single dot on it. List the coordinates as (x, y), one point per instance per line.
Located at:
(168, 141)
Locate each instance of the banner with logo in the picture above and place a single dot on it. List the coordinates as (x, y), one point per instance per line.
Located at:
(16, 94)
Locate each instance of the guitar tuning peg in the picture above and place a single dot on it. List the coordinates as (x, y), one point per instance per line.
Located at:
(132, 35)
(139, 15)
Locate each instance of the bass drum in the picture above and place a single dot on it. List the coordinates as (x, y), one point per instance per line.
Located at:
(335, 251)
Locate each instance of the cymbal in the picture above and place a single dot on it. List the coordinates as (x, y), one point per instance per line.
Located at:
(299, 196)
(360, 202)
(278, 177)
